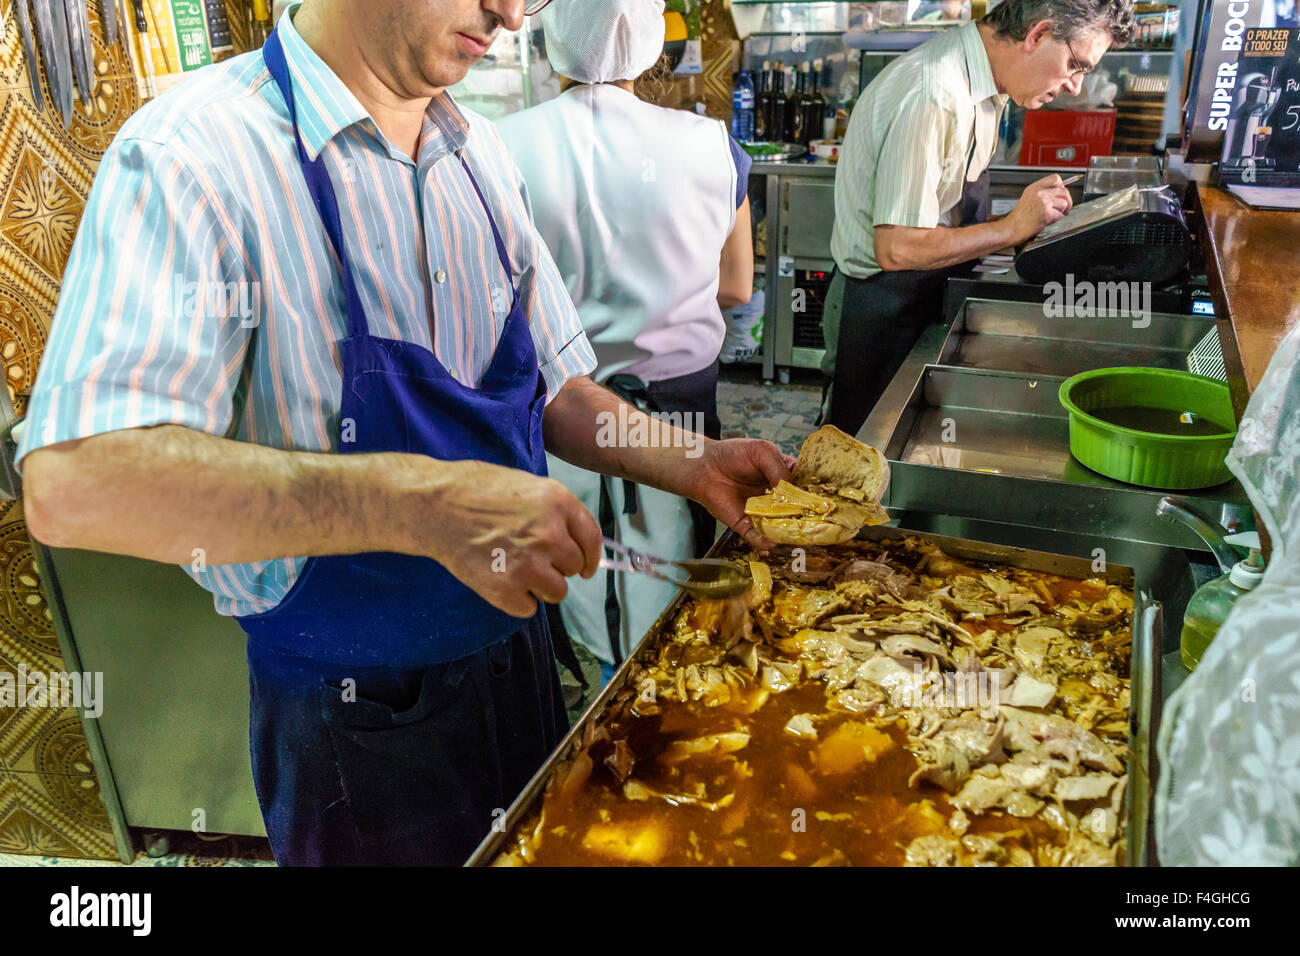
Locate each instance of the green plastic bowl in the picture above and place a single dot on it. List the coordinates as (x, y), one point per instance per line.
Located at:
(1149, 459)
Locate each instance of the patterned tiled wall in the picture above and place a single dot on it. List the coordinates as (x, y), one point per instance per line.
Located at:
(719, 48)
(49, 797)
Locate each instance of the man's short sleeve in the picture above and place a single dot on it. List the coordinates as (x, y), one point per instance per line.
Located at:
(911, 166)
(156, 307)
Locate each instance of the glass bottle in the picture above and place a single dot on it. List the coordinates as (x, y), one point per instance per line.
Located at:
(776, 119)
(763, 103)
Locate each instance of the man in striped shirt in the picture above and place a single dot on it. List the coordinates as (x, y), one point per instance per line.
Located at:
(309, 345)
(911, 188)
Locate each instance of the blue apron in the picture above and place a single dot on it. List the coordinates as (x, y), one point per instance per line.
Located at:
(393, 709)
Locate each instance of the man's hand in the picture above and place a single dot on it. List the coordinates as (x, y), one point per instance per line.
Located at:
(508, 535)
(718, 474)
(1042, 203)
(731, 471)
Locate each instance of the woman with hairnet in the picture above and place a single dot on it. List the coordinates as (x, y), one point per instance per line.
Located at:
(644, 210)
(1229, 787)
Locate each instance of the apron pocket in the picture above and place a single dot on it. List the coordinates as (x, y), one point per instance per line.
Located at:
(418, 775)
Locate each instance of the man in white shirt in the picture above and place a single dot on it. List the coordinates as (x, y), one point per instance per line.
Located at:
(911, 190)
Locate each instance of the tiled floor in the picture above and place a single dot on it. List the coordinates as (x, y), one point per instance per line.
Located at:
(785, 414)
(183, 849)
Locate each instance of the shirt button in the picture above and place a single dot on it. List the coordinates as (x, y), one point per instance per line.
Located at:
(440, 277)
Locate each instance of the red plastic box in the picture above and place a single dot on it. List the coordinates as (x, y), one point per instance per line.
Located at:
(1066, 137)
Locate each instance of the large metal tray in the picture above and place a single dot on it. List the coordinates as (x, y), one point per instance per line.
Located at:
(1022, 337)
(996, 445)
(1144, 674)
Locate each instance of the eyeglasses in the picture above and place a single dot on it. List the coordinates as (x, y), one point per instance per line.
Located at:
(535, 6)
(1082, 68)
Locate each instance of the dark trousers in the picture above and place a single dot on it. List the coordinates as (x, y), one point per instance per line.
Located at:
(881, 319)
(358, 766)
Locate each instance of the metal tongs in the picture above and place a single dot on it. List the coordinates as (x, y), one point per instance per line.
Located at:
(705, 577)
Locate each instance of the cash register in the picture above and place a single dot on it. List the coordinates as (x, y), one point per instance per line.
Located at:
(1137, 234)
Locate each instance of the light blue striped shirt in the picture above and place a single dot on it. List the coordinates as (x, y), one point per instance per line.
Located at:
(202, 290)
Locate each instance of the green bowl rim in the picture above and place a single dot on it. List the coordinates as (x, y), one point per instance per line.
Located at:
(1063, 395)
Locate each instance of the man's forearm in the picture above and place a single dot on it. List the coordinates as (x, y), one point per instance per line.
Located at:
(903, 247)
(585, 427)
(174, 494)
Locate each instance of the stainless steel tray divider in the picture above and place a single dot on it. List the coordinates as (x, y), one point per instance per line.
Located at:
(1010, 461)
(1021, 336)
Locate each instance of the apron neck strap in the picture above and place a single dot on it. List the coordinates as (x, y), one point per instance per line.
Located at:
(502, 254)
(318, 183)
(322, 191)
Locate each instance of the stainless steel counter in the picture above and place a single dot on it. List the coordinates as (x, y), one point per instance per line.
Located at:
(973, 427)
(819, 168)
(1007, 477)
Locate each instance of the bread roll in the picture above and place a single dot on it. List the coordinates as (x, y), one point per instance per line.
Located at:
(846, 480)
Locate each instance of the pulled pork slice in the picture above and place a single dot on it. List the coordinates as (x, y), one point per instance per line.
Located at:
(903, 684)
(806, 607)
(898, 583)
(1088, 786)
(1081, 851)
(801, 725)
(1032, 644)
(968, 596)
(987, 789)
(958, 745)
(1031, 692)
(709, 745)
(983, 850)
(862, 698)
(1034, 772)
(1053, 734)
(900, 645)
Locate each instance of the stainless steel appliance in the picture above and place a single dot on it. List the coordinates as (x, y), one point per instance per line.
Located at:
(170, 749)
(1134, 235)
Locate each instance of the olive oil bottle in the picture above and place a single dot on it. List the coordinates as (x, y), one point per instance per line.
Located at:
(1209, 606)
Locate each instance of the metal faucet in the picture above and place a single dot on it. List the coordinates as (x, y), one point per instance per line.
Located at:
(1209, 530)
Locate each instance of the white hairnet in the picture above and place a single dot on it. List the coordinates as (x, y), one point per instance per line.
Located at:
(602, 41)
(1229, 788)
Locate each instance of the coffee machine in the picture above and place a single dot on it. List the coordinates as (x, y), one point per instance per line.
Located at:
(1248, 132)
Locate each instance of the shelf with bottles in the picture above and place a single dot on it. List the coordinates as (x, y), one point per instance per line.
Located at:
(783, 105)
